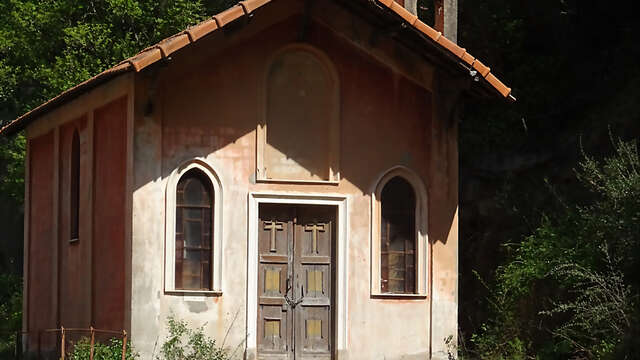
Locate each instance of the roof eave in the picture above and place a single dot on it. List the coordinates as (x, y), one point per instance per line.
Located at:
(166, 47)
(21, 122)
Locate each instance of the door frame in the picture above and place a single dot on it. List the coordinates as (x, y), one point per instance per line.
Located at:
(341, 241)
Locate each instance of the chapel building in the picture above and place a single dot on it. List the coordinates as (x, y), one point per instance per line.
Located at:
(284, 173)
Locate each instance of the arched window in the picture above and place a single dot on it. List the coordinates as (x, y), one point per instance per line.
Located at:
(74, 190)
(194, 231)
(399, 241)
(299, 138)
(398, 237)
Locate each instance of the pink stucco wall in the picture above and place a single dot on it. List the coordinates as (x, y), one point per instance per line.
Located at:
(109, 215)
(77, 284)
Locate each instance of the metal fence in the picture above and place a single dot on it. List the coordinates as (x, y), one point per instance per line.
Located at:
(60, 343)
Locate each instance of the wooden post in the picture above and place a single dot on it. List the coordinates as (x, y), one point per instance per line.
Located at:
(93, 341)
(124, 344)
(62, 344)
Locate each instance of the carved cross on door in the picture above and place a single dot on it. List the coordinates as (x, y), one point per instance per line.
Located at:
(314, 228)
(273, 226)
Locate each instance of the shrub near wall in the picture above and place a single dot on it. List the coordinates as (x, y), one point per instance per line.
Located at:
(112, 350)
(184, 343)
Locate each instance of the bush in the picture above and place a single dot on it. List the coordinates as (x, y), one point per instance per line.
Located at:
(184, 343)
(571, 289)
(112, 350)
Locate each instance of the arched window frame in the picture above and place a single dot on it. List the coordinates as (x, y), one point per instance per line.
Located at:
(421, 229)
(334, 119)
(170, 226)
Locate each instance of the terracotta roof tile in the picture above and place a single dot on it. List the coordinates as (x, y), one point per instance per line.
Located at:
(229, 15)
(466, 57)
(404, 13)
(145, 58)
(202, 29)
(427, 30)
(172, 44)
(251, 5)
(498, 85)
(482, 69)
(19, 123)
(451, 46)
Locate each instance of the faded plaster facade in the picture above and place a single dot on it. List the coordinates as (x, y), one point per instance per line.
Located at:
(204, 108)
(392, 111)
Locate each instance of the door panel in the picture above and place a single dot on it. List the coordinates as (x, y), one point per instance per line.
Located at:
(275, 240)
(315, 328)
(295, 282)
(312, 267)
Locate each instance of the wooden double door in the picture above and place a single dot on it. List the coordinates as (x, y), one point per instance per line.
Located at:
(296, 281)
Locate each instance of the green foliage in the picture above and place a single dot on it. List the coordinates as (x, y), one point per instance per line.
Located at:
(501, 337)
(571, 289)
(10, 312)
(600, 312)
(184, 343)
(12, 157)
(112, 350)
(11, 200)
(47, 47)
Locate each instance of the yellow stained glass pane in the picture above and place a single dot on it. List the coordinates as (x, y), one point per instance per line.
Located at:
(314, 280)
(272, 280)
(272, 328)
(314, 328)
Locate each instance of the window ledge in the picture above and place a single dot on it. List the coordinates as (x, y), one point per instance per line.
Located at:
(399, 296)
(302, 182)
(202, 293)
